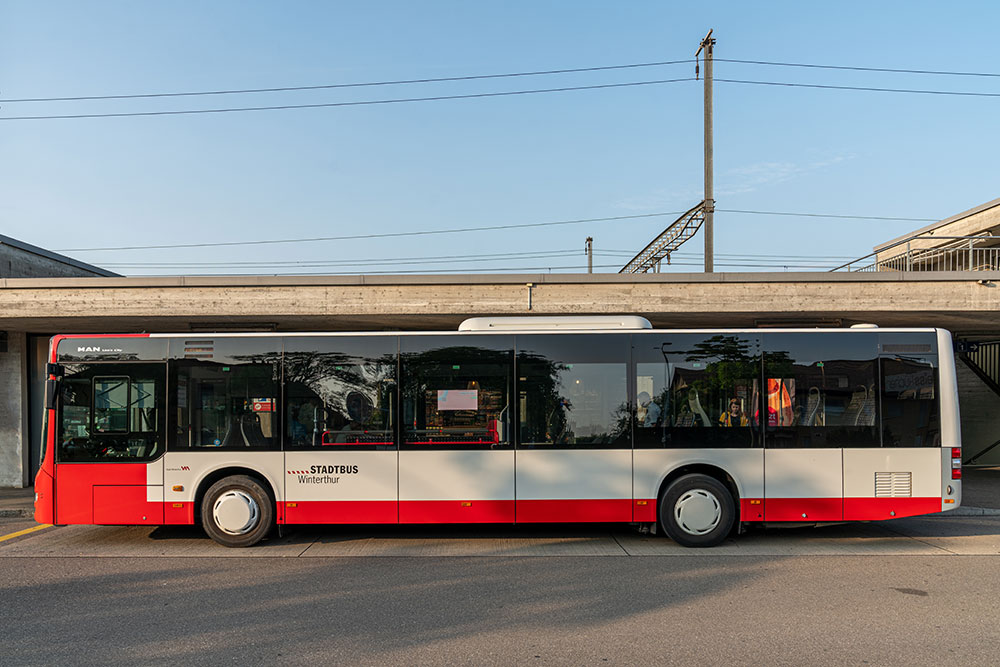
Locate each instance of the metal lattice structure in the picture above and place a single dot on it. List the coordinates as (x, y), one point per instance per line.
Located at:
(672, 238)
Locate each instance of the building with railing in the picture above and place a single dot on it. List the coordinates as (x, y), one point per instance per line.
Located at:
(969, 241)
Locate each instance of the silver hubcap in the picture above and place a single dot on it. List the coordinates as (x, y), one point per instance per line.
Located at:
(235, 512)
(697, 512)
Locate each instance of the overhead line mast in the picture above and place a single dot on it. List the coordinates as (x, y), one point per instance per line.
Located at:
(707, 46)
(702, 214)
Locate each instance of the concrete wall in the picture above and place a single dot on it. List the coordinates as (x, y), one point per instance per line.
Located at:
(980, 410)
(14, 412)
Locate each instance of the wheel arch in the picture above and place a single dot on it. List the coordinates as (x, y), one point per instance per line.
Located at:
(214, 476)
(709, 469)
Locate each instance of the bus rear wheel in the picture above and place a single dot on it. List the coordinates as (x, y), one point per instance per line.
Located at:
(237, 511)
(697, 511)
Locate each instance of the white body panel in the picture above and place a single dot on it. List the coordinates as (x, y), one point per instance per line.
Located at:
(308, 475)
(803, 473)
(653, 465)
(924, 465)
(574, 474)
(456, 475)
(187, 469)
(154, 481)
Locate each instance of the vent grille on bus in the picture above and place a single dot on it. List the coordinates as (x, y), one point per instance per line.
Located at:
(893, 484)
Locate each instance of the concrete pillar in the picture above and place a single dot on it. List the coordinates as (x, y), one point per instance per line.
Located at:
(14, 450)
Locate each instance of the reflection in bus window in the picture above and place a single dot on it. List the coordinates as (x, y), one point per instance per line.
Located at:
(572, 391)
(339, 392)
(821, 390)
(910, 403)
(110, 412)
(696, 390)
(456, 397)
(226, 394)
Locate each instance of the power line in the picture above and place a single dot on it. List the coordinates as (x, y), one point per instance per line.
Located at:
(858, 69)
(477, 77)
(282, 107)
(334, 86)
(482, 229)
(863, 88)
(376, 236)
(825, 215)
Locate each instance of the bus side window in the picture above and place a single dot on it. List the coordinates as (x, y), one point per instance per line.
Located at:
(910, 402)
(456, 396)
(111, 412)
(225, 393)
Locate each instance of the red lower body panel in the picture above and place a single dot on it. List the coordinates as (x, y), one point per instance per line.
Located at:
(125, 506)
(572, 511)
(875, 509)
(178, 514)
(804, 509)
(751, 509)
(456, 511)
(341, 511)
(75, 483)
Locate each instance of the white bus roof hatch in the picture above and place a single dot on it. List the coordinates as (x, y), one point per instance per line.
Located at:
(557, 323)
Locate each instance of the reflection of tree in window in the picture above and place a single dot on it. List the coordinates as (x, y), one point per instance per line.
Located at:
(338, 398)
(571, 403)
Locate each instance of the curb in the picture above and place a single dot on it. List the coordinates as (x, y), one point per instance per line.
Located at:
(973, 511)
(22, 513)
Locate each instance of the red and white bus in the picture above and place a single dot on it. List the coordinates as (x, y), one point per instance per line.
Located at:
(507, 420)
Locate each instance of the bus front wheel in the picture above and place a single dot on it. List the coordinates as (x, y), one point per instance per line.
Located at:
(237, 511)
(697, 511)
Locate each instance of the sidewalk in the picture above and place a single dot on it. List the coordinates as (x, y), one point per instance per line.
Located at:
(980, 491)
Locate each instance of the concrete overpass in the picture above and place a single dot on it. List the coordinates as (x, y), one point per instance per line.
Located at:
(968, 303)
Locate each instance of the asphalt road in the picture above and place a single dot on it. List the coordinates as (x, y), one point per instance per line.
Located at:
(278, 605)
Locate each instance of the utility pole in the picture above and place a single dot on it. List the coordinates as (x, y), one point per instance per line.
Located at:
(707, 45)
(590, 254)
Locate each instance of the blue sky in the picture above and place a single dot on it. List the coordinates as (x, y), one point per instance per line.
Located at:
(85, 183)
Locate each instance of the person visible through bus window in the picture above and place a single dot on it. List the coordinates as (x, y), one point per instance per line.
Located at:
(652, 410)
(734, 416)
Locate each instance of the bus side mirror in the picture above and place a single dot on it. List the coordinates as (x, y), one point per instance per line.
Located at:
(51, 391)
(55, 369)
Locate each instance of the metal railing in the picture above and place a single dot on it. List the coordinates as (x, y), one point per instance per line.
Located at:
(959, 253)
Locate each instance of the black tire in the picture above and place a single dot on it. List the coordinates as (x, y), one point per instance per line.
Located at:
(237, 511)
(697, 511)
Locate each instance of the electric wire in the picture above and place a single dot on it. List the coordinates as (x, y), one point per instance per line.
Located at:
(857, 68)
(323, 105)
(334, 86)
(485, 228)
(861, 88)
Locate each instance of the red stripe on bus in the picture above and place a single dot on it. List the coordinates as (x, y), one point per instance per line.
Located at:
(125, 506)
(456, 511)
(875, 509)
(178, 514)
(573, 511)
(644, 510)
(804, 509)
(341, 511)
(751, 509)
